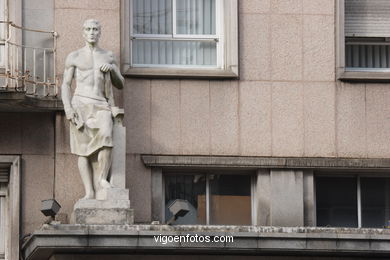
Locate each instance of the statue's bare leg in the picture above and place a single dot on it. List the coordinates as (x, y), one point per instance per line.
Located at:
(86, 177)
(104, 164)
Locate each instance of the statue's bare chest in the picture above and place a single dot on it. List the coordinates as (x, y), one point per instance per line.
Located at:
(87, 61)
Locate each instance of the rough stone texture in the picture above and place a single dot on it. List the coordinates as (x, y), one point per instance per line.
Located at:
(68, 184)
(224, 117)
(378, 120)
(103, 212)
(137, 115)
(263, 198)
(286, 198)
(351, 120)
(320, 121)
(10, 133)
(287, 119)
(37, 183)
(286, 47)
(325, 7)
(255, 51)
(37, 133)
(138, 181)
(165, 99)
(195, 117)
(118, 167)
(286, 6)
(62, 134)
(309, 199)
(254, 6)
(318, 48)
(255, 118)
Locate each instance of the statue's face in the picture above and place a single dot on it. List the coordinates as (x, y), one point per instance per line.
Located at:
(91, 32)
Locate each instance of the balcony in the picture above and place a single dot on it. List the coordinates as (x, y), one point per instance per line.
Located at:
(28, 80)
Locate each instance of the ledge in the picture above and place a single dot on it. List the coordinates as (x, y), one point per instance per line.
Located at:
(11, 101)
(364, 77)
(175, 73)
(177, 161)
(247, 240)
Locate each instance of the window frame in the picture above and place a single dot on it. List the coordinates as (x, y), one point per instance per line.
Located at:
(227, 47)
(12, 164)
(358, 176)
(207, 191)
(353, 75)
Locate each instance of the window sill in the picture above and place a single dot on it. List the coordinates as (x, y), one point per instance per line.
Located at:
(180, 73)
(364, 76)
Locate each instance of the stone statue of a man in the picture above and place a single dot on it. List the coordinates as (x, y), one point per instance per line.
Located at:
(91, 109)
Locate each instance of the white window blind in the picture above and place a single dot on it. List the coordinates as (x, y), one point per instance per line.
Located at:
(172, 33)
(367, 18)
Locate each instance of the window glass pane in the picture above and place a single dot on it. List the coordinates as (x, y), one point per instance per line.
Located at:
(230, 199)
(191, 188)
(336, 202)
(191, 53)
(152, 16)
(2, 220)
(375, 196)
(195, 16)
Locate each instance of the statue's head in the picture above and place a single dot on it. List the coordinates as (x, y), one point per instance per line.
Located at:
(91, 31)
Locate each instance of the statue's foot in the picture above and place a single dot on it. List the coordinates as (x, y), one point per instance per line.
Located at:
(89, 196)
(105, 184)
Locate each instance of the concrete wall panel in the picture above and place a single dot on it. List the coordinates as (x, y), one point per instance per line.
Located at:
(286, 6)
(38, 133)
(255, 49)
(195, 117)
(287, 119)
(10, 133)
(165, 111)
(319, 105)
(255, 118)
(351, 120)
(286, 46)
(318, 48)
(138, 181)
(137, 105)
(378, 120)
(325, 7)
(224, 117)
(254, 6)
(286, 198)
(37, 182)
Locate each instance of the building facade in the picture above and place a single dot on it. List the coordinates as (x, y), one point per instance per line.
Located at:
(268, 118)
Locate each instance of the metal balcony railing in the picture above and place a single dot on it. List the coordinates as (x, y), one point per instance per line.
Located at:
(24, 68)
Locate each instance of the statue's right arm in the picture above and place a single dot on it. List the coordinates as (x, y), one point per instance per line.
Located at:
(65, 88)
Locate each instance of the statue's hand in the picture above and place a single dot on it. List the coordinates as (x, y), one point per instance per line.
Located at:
(71, 115)
(106, 67)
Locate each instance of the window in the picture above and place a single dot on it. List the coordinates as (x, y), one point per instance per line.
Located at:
(216, 199)
(354, 201)
(9, 206)
(184, 38)
(364, 44)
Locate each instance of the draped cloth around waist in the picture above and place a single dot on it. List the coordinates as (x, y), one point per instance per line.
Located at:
(97, 123)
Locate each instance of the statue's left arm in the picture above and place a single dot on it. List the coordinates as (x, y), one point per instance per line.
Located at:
(116, 77)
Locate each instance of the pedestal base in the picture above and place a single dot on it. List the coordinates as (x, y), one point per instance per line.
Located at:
(113, 211)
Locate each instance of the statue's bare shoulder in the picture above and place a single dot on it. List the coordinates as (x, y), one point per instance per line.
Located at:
(71, 59)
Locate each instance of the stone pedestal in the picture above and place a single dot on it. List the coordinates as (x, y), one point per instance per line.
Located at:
(103, 212)
(111, 206)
